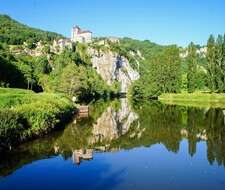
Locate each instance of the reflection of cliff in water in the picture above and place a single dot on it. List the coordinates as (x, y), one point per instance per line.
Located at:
(114, 126)
(111, 125)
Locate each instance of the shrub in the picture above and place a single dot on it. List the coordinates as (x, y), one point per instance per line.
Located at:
(11, 126)
(24, 114)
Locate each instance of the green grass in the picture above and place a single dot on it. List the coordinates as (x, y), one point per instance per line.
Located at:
(25, 114)
(198, 99)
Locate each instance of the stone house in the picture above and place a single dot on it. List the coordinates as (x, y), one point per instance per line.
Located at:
(59, 45)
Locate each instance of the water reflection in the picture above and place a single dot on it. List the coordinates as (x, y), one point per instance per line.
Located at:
(110, 125)
(113, 126)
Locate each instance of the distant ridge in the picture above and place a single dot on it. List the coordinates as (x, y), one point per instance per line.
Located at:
(13, 32)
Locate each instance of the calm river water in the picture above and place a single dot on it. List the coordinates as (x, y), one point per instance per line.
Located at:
(149, 146)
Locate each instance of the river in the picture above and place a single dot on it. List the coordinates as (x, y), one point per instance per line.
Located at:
(148, 146)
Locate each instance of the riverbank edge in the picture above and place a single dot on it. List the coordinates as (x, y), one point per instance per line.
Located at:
(198, 99)
(63, 118)
(24, 122)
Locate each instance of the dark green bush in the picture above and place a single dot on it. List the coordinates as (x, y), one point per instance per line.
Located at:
(11, 126)
(24, 114)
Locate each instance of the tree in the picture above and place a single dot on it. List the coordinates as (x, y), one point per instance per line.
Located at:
(42, 66)
(192, 68)
(216, 68)
(223, 64)
(220, 84)
(172, 70)
(27, 71)
(162, 75)
(211, 64)
(69, 81)
(31, 43)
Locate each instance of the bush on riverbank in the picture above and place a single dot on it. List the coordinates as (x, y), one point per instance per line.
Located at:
(25, 114)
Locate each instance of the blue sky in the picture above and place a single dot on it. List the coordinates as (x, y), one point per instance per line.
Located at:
(161, 21)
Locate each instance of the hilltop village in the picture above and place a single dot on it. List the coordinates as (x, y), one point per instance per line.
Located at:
(77, 35)
(102, 52)
(59, 44)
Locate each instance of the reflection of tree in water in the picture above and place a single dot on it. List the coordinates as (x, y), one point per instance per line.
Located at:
(216, 136)
(162, 124)
(27, 153)
(68, 139)
(207, 125)
(113, 126)
(194, 133)
(168, 125)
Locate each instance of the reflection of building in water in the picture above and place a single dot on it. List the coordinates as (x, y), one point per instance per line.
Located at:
(201, 135)
(193, 138)
(83, 111)
(82, 154)
(83, 115)
(112, 124)
(138, 132)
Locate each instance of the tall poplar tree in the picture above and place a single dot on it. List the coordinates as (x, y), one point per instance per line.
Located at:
(218, 64)
(192, 68)
(223, 65)
(211, 69)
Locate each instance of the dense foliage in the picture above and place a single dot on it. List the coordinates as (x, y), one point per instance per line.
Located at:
(147, 48)
(216, 64)
(21, 71)
(25, 114)
(68, 72)
(165, 70)
(192, 68)
(161, 74)
(10, 75)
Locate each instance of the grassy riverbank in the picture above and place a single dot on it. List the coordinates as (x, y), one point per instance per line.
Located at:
(25, 114)
(197, 99)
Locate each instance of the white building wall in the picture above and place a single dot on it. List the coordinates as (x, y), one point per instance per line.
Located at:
(77, 36)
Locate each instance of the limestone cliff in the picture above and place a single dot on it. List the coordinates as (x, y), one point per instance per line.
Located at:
(113, 67)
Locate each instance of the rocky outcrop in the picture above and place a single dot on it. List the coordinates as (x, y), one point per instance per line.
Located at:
(113, 67)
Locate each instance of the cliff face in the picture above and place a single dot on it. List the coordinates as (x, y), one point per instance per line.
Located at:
(113, 67)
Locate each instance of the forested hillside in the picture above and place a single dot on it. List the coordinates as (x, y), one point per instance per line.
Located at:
(15, 33)
(146, 47)
(165, 69)
(69, 72)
